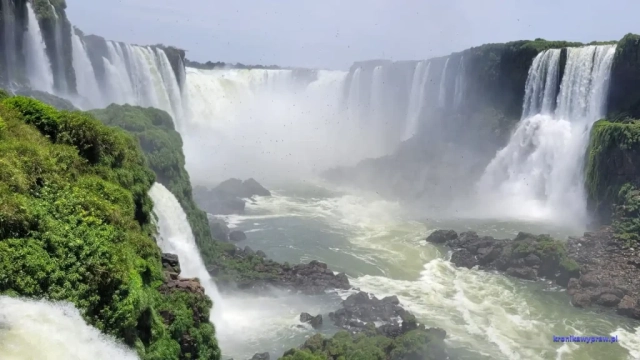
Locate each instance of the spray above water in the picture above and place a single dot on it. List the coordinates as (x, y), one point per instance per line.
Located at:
(539, 174)
(44, 330)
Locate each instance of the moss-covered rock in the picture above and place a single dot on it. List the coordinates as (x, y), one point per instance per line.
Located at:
(613, 161)
(75, 225)
(624, 92)
(162, 146)
(419, 344)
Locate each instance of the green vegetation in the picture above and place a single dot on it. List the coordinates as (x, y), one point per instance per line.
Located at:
(162, 146)
(626, 220)
(75, 225)
(611, 163)
(546, 248)
(416, 344)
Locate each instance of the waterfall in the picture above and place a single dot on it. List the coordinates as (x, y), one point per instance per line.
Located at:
(539, 174)
(417, 98)
(177, 238)
(44, 330)
(61, 73)
(542, 83)
(85, 75)
(459, 84)
(269, 123)
(354, 100)
(38, 65)
(138, 75)
(10, 47)
(442, 94)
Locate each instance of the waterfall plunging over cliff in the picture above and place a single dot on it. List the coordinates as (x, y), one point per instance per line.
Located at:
(539, 174)
(176, 237)
(43, 330)
(38, 65)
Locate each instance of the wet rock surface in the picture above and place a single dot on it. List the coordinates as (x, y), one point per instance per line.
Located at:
(228, 197)
(314, 321)
(261, 356)
(610, 273)
(527, 256)
(253, 271)
(361, 309)
(595, 268)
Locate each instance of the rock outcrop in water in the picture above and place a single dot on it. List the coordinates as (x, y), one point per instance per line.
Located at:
(399, 338)
(528, 256)
(597, 268)
(228, 197)
(251, 270)
(362, 309)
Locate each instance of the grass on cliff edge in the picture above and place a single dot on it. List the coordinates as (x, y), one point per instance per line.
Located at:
(75, 225)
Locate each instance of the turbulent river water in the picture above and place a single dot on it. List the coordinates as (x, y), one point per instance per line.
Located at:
(383, 251)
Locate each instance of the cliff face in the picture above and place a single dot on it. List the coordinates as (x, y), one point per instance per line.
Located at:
(472, 101)
(613, 161)
(624, 93)
(57, 33)
(75, 225)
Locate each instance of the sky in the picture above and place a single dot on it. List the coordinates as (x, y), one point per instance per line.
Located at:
(332, 34)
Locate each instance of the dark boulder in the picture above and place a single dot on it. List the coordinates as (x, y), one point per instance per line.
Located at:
(361, 309)
(219, 229)
(171, 263)
(237, 235)
(442, 236)
(261, 356)
(314, 321)
(228, 197)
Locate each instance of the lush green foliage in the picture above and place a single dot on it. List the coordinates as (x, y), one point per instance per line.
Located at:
(75, 225)
(611, 162)
(626, 221)
(162, 146)
(545, 247)
(414, 345)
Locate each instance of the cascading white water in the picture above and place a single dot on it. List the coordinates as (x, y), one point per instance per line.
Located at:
(542, 82)
(38, 66)
(177, 238)
(416, 97)
(87, 84)
(442, 94)
(45, 330)
(265, 123)
(539, 174)
(458, 95)
(354, 99)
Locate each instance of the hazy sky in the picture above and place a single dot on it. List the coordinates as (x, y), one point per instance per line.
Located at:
(334, 33)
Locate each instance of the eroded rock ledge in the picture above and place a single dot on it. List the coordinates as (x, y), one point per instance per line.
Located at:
(610, 273)
(249, 270)
(398, 337)
(596, 269)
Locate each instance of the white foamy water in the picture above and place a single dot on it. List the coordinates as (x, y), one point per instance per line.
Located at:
(42, 330)
(486, 315)
(38, 65)
(539, 174)
(245, 324)
(177, 238)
